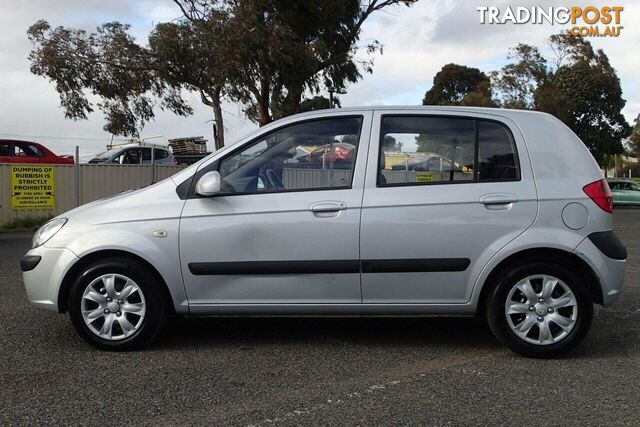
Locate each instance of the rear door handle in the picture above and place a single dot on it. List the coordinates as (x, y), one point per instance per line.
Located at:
(329, 206)
(498, 201)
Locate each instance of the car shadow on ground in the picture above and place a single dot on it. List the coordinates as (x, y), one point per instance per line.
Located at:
(203, 332)
(435, 333)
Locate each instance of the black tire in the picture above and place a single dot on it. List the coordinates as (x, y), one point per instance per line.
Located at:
(497, 298)
(156, 304)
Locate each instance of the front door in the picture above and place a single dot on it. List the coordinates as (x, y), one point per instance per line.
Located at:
(285, 227)
(443, 194)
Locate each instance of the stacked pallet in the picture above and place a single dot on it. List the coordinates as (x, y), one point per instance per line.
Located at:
(188, 145)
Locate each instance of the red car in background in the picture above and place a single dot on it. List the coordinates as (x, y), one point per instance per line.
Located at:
(342, 153)
(14, 151)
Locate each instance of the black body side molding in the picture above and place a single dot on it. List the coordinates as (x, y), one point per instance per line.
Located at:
(329, 266)
(414, 265)
(274, 267)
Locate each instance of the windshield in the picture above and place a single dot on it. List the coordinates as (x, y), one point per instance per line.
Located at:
(108, 154)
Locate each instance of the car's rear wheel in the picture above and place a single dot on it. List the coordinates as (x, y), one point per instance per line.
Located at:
(116, 304)
(540, 309)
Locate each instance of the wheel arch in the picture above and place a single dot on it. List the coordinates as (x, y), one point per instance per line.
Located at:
(78, 266)
(553, 255)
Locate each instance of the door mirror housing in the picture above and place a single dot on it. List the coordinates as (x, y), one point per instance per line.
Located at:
(208, 184)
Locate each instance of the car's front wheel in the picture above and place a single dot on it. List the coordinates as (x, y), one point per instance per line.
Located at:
(539, 309)
(116, 304)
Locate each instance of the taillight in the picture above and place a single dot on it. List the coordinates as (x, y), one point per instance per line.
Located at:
(600, 193)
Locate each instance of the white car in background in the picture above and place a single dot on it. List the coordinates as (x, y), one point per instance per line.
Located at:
(135, 154)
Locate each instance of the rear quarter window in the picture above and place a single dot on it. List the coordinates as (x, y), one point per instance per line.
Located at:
(496, 153)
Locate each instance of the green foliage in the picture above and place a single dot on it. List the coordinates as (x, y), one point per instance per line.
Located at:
(580, 87)
(24, 224)
(391, 144)
(585, 93)
(317, 103)
(460, 85)
(266, 54)
(634, 139)
(109, 64)
(516, 82)
(294, 48)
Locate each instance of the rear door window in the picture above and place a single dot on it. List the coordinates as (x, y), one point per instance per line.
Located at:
(418, 150)
(160, 154)
(28, 150)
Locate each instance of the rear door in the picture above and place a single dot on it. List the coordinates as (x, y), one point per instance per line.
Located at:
(427, 232)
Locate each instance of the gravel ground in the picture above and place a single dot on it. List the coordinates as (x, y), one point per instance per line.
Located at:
(316, 371)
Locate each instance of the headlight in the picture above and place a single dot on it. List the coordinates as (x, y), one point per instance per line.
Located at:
(47, 231)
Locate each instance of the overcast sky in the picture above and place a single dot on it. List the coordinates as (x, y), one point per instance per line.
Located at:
(417, 41)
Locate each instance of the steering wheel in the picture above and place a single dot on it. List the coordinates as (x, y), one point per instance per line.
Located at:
(274, 180)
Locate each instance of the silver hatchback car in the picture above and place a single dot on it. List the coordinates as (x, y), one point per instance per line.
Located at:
(513, 222)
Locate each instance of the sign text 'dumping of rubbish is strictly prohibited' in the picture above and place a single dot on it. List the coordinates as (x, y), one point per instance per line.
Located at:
(32, 187)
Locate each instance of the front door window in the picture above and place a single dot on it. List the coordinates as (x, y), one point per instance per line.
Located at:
(318, 154)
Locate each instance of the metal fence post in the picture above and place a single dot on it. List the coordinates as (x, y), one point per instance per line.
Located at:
(153, 165)
(77, 171)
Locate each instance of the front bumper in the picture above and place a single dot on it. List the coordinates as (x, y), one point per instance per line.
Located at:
(610, 271)
(42, 281)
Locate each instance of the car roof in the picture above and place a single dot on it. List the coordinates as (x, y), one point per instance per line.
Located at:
(427, 108)
(135, 144)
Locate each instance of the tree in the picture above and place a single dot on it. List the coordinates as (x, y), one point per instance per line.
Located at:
(517, 81)
(288, 48)
(266, 54)
(317, 103)
(585, 93)
(459, 85)
(634, 138)
(131, 80)
(391, 144)
(579, 87)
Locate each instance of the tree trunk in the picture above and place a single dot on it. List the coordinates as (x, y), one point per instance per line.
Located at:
(218, 137)
(263, 115)
(213, 98)
(263, 98)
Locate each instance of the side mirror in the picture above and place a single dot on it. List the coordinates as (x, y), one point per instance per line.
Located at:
(208, 184)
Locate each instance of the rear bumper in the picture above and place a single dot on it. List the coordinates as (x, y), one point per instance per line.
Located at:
(42, 281)
(609, 244)
(598, 251)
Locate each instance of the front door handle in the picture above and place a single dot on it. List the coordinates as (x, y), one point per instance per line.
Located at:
(328, 206)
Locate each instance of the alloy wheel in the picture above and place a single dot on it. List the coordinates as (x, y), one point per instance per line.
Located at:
(113, 307)
(541, 309)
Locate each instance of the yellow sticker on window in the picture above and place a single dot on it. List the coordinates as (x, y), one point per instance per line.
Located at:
(424, 177)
